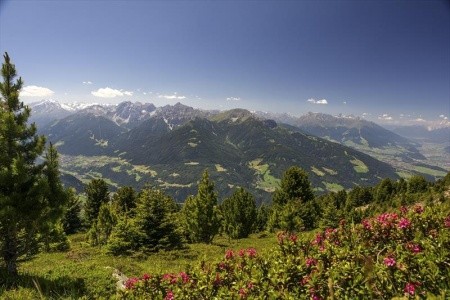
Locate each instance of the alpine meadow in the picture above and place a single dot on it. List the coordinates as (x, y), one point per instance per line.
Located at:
(197, 150)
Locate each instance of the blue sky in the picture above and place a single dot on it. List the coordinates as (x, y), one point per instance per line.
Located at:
(384, 59)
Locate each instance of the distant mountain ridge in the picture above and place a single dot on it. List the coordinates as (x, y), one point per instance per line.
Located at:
(133, 143)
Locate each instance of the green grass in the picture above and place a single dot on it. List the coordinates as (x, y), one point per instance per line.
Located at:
(268, 182)
(332, 187)
(330, 171)
(432, 172)
(317, 171)
(360, 166)
(86, 270)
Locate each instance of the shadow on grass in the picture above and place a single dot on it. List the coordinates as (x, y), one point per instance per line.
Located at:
(48, 288)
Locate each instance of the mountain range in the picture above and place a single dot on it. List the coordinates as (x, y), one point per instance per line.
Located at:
(170, 146)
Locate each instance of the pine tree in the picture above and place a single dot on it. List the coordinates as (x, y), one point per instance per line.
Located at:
(294, 185)
(25, 201)
(239, 214)
(156, 219)
(56, 198)
(97, 194)
(124, 200)
(293, 208)
(71, 220)
(200, 215)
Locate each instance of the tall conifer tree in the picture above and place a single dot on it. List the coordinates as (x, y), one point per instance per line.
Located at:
(25, 201)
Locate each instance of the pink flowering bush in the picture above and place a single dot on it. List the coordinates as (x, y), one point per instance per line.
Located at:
(396, 254)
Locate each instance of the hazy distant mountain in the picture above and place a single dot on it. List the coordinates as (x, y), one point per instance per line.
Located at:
(356, 133)
(422, 133)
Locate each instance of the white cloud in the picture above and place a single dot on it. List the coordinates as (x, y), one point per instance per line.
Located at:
(419, 120)
(345, 102)
(35, 91)
(385, 117)
(87, 82)
(314, 101)
(174, 96)
(443, 117)
(110, 93)
(233, 99)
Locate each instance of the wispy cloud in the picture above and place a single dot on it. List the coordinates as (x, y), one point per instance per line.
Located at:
(385, 117)
(110, 93)
(87, 82)
(314, 101)
(344, 102)
(35, 91)
(173, 96)
(233, 99)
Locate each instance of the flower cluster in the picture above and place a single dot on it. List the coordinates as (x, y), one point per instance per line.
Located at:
(395, 254)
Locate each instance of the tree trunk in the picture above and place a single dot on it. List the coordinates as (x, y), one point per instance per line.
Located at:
(10, 251)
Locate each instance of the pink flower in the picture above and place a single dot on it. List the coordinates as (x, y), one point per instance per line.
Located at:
(410, 288)
(251, 252)
(366, 224)
(414, 248)
(404, 210)
(318, 240)
(229, 254)
(184, 277)
(311, 262)
(404, 223)
(447, 221)
(241, 253)
(146, 277)
(418, 209)
(169, 295)
(389, 261)
(250, 285)
(293, 238)
(242, 293)
(131, 282)
(171, 278)
(305, 280)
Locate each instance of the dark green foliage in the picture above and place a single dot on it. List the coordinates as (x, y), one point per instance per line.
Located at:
(262, 217)
(56, 197)
(359, 196)
(330, 215)
(290, 219)
(200, 212)
(294, 185)
(71, 220)
(384, 190)
(124, 200)
(97, 194)
(103, 226)
(417, 184)
(239, 214)
(26, 205)
(154, 226)
(293, 208)
(156, 218)
(126, 237)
